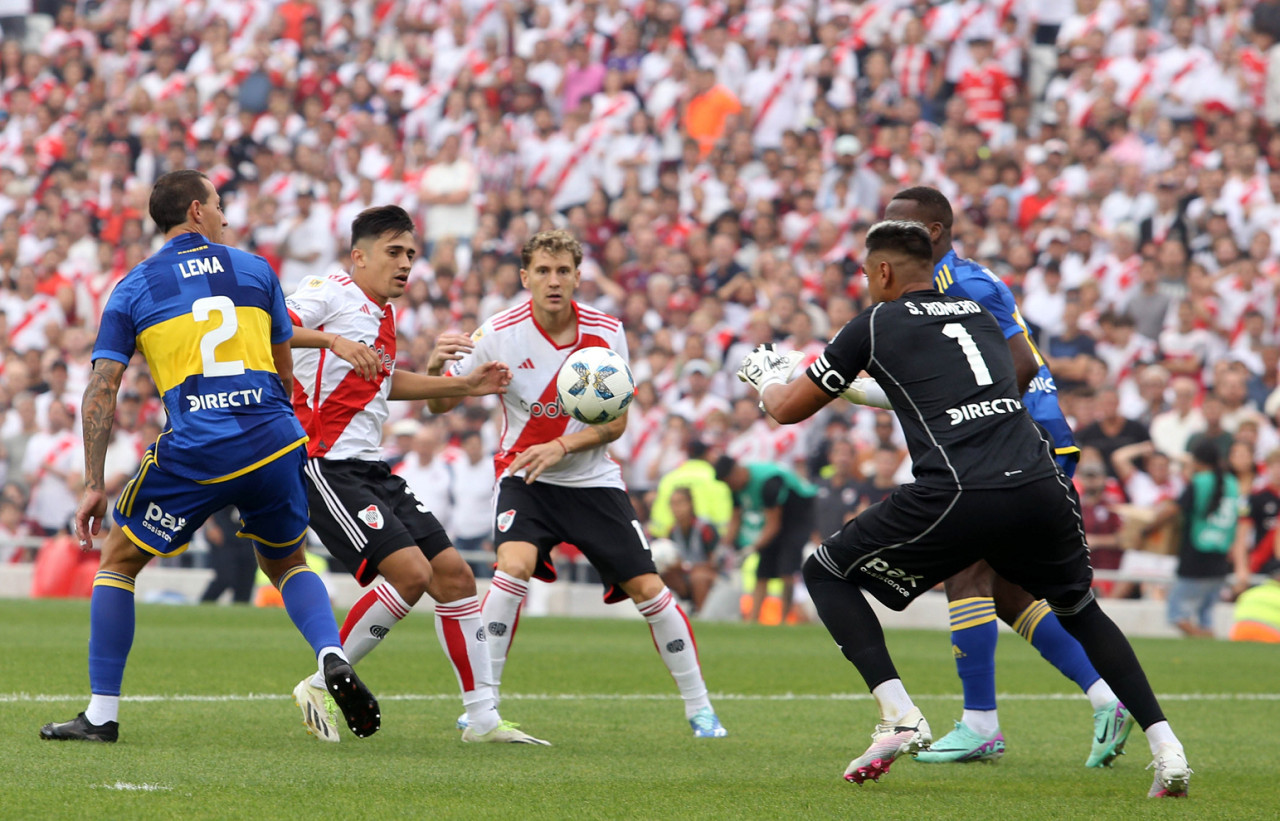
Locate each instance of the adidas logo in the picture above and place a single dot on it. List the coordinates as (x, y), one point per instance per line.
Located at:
(528, 363)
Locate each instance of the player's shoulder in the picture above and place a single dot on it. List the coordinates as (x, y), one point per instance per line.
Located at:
(595, 318)
(975, 281)
(504, 322)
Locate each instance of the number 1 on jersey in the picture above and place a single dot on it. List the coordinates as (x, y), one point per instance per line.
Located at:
(201, 309)
(970, 348)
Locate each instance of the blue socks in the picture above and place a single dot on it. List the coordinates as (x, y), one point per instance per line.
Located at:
(307, 602)
(111, 624)
(1039, 626)
(973, 643)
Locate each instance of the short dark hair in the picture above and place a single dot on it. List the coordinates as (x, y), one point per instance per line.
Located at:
(933, 203)
(724, 466)
(910, 238)
(379, 220)
(173, 194)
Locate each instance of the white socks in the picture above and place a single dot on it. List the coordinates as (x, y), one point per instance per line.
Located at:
(1157, 734)
(462, 637)
(674, 640)
(892, 699)
(1100, 694)
(102, 709)
(501, 613)
(985, 723)
(367, 624)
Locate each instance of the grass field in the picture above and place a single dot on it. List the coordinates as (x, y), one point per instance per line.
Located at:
(209, 729)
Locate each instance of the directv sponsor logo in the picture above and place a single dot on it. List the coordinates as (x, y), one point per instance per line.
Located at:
(1043, 384)
(224, 399)
(977, 410)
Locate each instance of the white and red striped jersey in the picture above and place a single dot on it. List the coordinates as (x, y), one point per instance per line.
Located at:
(341, 411)
(530, 407)
(911, 67)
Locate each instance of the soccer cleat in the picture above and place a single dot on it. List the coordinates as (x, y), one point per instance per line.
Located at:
(357, 704)
(1111, 727)
(908, 735)
(1172, 773)
(79, 729)
(507, 732)
(319, 711)
(706, 725)
(962, 746)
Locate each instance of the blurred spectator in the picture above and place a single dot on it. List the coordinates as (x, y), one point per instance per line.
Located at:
(233, 559)
(471, 490)
(1214, 541)
(697, 541)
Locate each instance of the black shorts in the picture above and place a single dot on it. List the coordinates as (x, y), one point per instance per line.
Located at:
(363, 513)
(782, 557)
(1031, 535)
(599, 521)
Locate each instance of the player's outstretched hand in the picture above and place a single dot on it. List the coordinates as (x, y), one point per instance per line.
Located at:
(537, 458)
(93, 507)
(765, 366)
(450, 347)
(491, 377)
(867, 391)
(361, 357)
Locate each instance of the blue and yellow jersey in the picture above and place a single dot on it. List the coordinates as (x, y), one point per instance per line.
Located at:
(205, 317)
(965, 278)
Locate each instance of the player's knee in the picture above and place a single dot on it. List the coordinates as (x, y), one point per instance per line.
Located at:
(452, 582)
(972, 582)
(1011, 601)
(412, 581)
(517, 562)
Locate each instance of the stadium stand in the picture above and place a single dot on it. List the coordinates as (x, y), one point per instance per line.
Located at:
(1115, 162)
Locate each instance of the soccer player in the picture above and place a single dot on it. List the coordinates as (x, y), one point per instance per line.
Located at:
(211, 322)
(985, 487)
(976, 594)
(556, 481)
(368, 518)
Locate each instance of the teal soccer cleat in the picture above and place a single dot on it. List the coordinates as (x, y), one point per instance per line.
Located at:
(1111, 727)
(962, 745)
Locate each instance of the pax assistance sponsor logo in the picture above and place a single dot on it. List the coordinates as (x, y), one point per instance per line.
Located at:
(372, 517)
(162, 524)
(505, 518)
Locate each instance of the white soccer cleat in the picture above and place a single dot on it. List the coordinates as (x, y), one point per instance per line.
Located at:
(1173, 775)
(507, 732)
(911, 734)
(319, 712)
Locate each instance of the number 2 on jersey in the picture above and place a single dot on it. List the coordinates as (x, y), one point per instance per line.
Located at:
(970, 348)
(201, 310)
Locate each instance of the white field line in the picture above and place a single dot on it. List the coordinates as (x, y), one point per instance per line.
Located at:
(125, 786)
(14, 698)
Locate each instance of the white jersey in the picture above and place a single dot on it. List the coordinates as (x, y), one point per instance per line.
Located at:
(531, 409)
(341, 411)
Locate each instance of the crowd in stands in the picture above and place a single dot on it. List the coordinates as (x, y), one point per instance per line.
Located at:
(1115, 162)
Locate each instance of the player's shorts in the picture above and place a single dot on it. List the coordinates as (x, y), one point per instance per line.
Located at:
(599, 521)
(783, 556)
(363, 513)
(917, 537)
(159, 510)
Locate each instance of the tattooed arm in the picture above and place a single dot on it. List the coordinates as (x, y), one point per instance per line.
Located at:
(99, 413)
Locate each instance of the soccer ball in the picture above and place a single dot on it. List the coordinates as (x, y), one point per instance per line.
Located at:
(595, 385)
(666, 554)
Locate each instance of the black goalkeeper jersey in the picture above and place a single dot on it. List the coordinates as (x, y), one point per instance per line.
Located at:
(946, 367)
